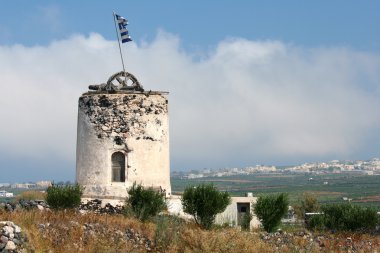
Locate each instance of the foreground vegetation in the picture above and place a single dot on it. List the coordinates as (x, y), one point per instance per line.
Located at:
(144, 203)
(146, 227)
(64, 196)
(67, 231)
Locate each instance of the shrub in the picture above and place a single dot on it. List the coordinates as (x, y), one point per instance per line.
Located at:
(64, 196)
(346, 217)
(316, 222)
(144, 203)
(270, 209)
(307, 204)
(204, 202)
(246, 221)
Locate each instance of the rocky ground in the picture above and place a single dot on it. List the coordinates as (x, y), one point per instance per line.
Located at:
(94, 231)
(324, 242)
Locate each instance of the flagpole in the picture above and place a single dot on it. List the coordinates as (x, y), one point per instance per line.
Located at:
(118, 40)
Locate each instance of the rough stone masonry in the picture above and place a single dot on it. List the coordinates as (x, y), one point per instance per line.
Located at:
(122, 138)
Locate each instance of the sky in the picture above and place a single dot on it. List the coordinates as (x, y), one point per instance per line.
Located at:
(250, 82)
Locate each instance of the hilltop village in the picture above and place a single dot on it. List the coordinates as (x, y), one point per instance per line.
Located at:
(370, 167)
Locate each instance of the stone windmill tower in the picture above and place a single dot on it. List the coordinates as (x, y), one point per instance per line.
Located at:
(122, 138)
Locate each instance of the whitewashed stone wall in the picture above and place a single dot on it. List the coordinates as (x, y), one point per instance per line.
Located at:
(134, 123)
(229, 216)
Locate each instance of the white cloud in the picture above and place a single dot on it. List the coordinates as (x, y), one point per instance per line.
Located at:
(246, 101)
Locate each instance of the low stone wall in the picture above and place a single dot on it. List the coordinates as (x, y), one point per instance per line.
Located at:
(94, 206)
(24, 204)
(11, 238)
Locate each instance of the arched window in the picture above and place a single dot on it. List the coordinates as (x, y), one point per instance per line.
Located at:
(118, 167)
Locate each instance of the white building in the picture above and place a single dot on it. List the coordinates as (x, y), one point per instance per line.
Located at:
(5, 194)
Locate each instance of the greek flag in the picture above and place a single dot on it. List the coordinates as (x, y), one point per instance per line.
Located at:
(122, 23)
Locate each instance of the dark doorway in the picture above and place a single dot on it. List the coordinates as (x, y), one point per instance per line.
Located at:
(242, 209)
(118, 167)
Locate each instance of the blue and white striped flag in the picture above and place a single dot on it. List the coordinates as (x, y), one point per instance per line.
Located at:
(122, 23)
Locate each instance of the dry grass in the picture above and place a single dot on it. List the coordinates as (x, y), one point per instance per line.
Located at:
(31, 195)
(226, 240)
(66, 231)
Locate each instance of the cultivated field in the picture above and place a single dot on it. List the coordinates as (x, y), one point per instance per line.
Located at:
(330, 188)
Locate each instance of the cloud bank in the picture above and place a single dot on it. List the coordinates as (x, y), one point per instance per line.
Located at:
(242, 103)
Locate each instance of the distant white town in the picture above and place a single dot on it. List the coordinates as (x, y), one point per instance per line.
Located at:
(371, 167)
(40, 185)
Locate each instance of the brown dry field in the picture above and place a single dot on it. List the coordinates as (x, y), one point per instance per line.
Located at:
(375, 198)
(228, 180)
(322, 193)
(251, 188)
(275, 176)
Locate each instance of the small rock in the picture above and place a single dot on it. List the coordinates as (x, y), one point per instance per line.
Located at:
(4, 239)
(17, 229)
(10, 246)
(41, 208)
(18, 207)
(8, 230)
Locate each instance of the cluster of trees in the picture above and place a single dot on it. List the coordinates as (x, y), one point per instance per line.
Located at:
(344, 217)
(205, 201)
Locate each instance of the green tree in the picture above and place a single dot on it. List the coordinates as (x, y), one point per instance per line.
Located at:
(64, 196)
(204, 202)
(144, 203)
(270, 209)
